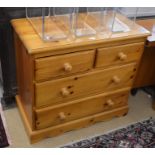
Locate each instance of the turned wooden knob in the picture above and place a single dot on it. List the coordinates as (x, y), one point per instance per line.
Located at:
(122, 56)
(62, 116)
(64, 92)
(110, 102)
(67, 67)
(116, 79)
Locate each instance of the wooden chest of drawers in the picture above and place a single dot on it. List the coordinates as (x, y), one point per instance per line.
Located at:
(68, 85)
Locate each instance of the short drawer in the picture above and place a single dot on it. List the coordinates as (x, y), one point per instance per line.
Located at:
(81, 108)
(74, 87)
(46, 68)
(119, 54)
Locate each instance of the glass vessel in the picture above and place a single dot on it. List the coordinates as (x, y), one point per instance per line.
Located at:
(57, 23)
(52, 24)
(93, 21)
(96, 18)
(81, 23)
(124, 21)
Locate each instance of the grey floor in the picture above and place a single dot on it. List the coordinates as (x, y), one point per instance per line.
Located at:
(140, 109)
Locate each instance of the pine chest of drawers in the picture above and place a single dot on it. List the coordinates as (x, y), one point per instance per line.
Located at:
(68, 85)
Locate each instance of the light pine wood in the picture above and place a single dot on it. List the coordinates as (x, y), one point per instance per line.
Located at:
(65, 92)
(119, 54)
(61, 115)
(110, 103)
(38, 135)
(25, 68)
(39, 48)
(63, 65)
(24, 116)
(90, 46)
(116, 79)
(81, 108)
(50, 92)
(73, 83)
(67, 67)
(122, 56)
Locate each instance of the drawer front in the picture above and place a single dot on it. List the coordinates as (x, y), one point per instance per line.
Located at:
(81, 108)
(119, 54)
(74, 87)
(46, 68)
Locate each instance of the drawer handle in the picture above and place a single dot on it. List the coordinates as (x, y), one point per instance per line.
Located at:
(116, 79)
(65, 92)
(110, 102)
(67, 67)
(122, 56)
(62, 116)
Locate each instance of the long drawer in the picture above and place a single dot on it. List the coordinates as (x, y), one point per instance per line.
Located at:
(63, 65)
(70, 111)
(74, 87)
(119, 54)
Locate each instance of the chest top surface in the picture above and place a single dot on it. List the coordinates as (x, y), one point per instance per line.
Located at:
(34, 44)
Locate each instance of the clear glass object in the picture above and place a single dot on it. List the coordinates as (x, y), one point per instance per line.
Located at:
(124, 21)
(105, 19)
(93, 21)
(81, 23)
(96, 17)
(52, 24)
(56, 23)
